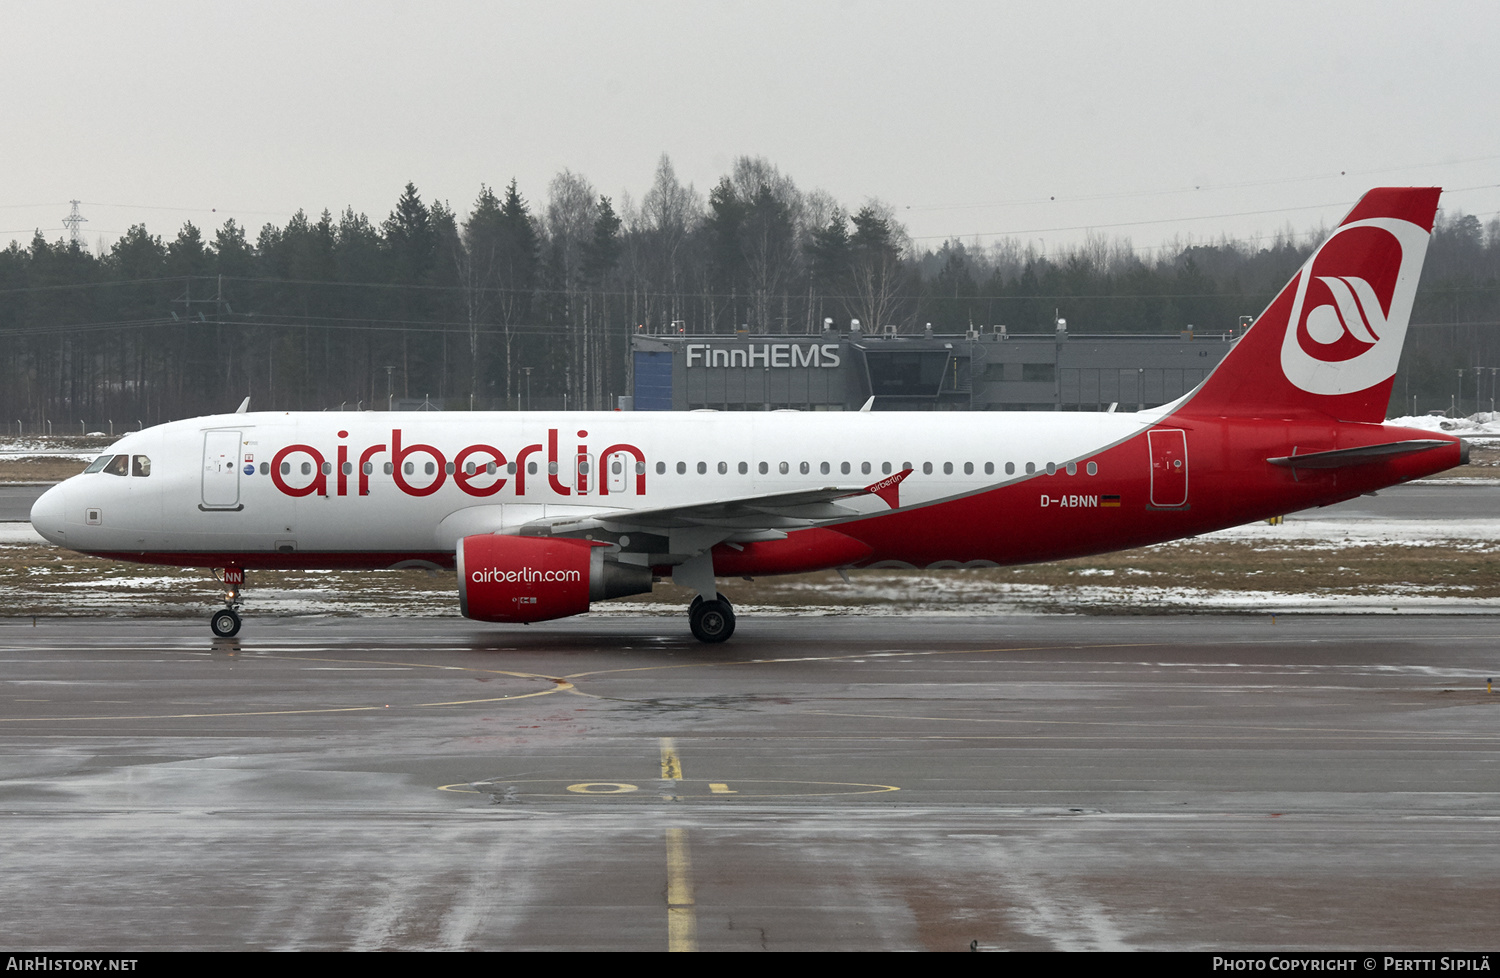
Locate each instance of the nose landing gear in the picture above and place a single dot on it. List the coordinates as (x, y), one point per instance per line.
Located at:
(226, 621)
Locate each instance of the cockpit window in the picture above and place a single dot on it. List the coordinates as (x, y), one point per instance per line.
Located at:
(141, 466)
(97, 464)
(119, 465)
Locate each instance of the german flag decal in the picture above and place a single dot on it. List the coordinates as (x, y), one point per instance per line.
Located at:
(1109, 501)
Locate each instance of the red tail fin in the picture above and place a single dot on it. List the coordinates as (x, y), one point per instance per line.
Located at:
(1330, 342)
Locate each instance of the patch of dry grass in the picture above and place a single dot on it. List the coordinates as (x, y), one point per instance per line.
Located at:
(39, 468)
(42, 580)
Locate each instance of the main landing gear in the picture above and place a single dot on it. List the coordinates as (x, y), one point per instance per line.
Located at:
(226, 621)
(711, 621)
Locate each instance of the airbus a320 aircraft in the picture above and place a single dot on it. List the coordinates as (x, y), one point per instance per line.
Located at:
(543, 513)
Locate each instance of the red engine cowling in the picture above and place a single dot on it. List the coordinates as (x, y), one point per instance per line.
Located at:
(519, 579)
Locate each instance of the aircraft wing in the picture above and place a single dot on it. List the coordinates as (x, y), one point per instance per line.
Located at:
(745, 517)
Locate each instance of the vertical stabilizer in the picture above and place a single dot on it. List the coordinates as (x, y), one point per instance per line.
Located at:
(1329, 343)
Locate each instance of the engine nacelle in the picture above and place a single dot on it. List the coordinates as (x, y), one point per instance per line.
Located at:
(509, 578)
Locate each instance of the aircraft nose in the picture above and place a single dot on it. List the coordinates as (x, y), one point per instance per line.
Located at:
(49, 515)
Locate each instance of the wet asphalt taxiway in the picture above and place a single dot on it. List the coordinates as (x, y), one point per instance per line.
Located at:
(1194, 782)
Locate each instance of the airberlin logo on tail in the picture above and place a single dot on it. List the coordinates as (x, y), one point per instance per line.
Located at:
(1354, 298)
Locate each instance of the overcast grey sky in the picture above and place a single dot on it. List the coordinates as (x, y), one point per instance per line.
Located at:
(970, 118)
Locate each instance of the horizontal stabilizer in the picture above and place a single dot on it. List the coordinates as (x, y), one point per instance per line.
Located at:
(1364, 455)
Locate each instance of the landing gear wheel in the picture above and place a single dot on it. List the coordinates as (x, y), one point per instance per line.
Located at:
(711, 621)
(226, 623)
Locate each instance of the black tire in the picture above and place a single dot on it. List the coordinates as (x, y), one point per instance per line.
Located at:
(711, 621)
(225, 623)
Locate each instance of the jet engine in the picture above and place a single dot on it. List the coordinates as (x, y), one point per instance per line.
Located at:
(510, 578)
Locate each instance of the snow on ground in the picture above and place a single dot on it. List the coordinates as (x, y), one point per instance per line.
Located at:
(1481, 427)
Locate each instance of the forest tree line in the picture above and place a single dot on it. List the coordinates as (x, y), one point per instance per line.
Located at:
(520, 299)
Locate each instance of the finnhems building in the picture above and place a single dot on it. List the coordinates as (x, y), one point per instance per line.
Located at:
(981, 370)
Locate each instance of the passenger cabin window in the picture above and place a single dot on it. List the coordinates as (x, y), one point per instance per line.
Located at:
(1092, 469)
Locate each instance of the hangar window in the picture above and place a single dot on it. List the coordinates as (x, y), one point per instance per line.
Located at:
(1092, 469)
(682, 468)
